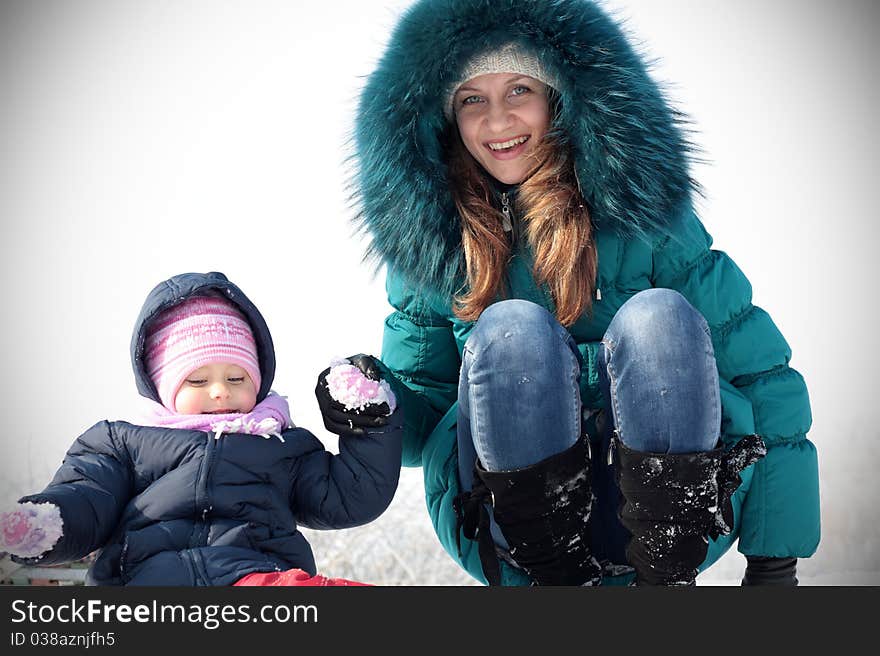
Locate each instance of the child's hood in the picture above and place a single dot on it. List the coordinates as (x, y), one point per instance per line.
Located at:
(629, 146)
(186, 285)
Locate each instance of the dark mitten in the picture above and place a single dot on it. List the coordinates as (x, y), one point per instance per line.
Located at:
(344, 420)
(761, 570)
(543, 511)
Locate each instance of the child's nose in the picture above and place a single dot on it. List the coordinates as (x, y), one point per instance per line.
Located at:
(219, 391)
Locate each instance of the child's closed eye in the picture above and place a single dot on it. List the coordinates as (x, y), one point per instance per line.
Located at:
(236, 379)
(195, 382)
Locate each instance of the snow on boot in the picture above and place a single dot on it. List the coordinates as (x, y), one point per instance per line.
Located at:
(673, 504)
(542, 510)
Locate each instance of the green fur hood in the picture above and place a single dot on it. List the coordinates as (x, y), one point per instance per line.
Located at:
(631, 157)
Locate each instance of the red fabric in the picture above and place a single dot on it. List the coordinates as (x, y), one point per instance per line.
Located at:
(292, 577)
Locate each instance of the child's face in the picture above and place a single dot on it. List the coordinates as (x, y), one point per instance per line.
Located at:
(216, 388)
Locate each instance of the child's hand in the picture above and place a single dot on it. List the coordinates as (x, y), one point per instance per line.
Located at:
(356, 383)
(29, 530)
(353, 397)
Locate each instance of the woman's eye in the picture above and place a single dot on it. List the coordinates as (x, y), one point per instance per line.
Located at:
(470, 100)
(519, 90)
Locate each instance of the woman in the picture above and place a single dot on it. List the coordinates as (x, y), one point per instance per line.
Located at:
(585, 383)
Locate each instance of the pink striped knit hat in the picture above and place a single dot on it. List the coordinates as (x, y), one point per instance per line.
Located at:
(196, 332)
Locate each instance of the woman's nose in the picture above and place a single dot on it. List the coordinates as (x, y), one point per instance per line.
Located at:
(498, 117)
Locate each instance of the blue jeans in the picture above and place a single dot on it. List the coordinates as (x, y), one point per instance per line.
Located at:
(519, 399)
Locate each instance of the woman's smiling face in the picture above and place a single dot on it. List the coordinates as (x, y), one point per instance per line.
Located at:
(501, 118)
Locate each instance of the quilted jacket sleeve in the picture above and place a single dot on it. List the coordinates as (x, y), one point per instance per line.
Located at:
(419, 350)
(760, 392)
(91, 489)
(351, 488)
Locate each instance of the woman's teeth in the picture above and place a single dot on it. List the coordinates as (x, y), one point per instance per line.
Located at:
(506, 145)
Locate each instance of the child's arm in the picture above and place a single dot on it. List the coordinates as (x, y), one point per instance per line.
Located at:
(356, 486)
(90, 490)
(351, 488)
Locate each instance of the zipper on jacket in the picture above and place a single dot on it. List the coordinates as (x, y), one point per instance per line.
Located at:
(187, 558)
(506, 223)
(198, 562)
(123, 554)
(200, 533)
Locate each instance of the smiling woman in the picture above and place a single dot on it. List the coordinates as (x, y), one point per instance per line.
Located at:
(503, 148)
(564, 338)
(501, 120)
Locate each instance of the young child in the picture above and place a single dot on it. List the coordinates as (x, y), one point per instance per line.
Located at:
(211, 488)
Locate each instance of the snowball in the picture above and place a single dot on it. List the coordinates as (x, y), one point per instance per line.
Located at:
(349, 386)
(31, 529)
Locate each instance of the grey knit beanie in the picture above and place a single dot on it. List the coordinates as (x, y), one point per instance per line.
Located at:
(509, 58)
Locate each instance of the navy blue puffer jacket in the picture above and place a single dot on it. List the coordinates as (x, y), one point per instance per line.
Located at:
(179, 507)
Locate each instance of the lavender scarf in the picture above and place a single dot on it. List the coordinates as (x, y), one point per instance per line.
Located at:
(269, 417)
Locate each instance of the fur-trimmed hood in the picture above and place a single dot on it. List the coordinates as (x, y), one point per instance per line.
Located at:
(631, 158)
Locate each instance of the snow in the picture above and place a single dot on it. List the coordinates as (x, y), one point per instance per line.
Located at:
(349, 386)
(30, 529)
(398, 548)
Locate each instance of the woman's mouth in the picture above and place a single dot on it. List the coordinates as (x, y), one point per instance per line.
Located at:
(509, 148)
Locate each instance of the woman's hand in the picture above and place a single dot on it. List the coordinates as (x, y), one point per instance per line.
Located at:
(28, 530)
(352, 396)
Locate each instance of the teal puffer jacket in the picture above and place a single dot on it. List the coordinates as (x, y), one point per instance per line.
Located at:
(631, 162)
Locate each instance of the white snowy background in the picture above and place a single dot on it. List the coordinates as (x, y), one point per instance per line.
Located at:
(140, 139)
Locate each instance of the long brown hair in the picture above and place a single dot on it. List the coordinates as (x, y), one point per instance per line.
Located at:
(557, 227)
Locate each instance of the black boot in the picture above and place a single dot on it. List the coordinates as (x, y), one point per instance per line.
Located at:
(761, 570)
(543, 511)
(673, 504)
